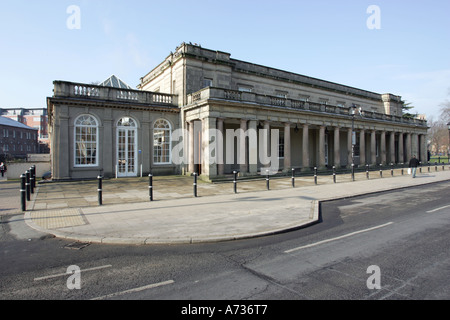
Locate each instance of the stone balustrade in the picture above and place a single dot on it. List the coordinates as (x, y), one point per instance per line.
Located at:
(261, 99)
(88, 91)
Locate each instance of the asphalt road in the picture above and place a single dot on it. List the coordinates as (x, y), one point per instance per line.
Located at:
(398, 241)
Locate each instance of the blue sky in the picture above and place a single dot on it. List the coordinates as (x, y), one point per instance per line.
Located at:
(330, 40)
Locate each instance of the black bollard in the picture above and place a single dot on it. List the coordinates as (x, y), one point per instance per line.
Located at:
(353, 172)
(31, 180)
(435, 166)
(381, 170)
(99, 190)
(367, 171)
(150, 186)
(267, 180)
(315, 175)
(28, 187)
(34, 176)
(334, 174)
(23, 192)
(235, 181)
(293, 177)
(195, 184)
(392, 169)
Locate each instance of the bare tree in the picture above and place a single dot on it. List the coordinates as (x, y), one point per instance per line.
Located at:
(437, 135)
(445, 111)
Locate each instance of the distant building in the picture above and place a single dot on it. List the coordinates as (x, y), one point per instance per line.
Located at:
(35, 118)
(16, 139)
(110, 129)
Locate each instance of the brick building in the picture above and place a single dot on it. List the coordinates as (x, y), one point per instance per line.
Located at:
(34, 118)
(16, 139)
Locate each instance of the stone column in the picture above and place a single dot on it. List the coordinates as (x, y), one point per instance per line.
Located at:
(305, 149)
(287, 146)
(191, 147)
(349, 147)
(252, 147)
(268, 136)
(408, 147)
(209, 166)
(423, 148)
(373, 147)
(383, 147)
(362, 148)
(415, 144)
(243, 147)
(219, 147)
(321, 147)
(401, 157)
(392, 146)
(337, 150)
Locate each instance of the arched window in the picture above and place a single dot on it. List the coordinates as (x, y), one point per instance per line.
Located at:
(162, 142)
(86, 141)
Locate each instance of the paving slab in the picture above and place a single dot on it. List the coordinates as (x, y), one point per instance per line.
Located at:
(218, 214)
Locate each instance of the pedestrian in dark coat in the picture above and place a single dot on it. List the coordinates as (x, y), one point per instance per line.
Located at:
(413, 164)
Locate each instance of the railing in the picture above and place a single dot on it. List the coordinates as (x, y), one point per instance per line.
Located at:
(87, 91)
(261, 99)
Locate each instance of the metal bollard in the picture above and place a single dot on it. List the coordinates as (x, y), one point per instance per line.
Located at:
(429, 167)
(195, 184)
(150, 186)
(267, 180)
(367, 171)
(34, 176)
(31, 180)
(23, 192)
(315, 175)
(235, 181)
(392, 169)
(28, 187)
(293, 177)
(353, 172)
(381, 170)
(403, 167)
(99, 190)
(334, 174)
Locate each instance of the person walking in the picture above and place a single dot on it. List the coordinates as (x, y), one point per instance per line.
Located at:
(413, 164)
(3, 168)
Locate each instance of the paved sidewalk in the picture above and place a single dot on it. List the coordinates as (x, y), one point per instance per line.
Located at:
(70, 209)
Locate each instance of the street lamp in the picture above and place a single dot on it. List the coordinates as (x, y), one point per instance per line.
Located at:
(352, 112)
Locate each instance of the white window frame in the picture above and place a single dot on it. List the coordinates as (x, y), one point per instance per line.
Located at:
(75, 142)
(167, 129)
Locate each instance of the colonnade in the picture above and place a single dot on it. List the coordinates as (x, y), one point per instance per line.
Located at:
(321, 145)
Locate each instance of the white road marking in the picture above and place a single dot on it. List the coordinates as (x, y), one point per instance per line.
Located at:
(337, 238)
(153, 285)
(437, 209)
(65, 274)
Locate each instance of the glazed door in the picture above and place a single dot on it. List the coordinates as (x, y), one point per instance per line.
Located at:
(126, 152)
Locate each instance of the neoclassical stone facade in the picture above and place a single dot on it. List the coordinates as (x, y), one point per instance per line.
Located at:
(205, 94)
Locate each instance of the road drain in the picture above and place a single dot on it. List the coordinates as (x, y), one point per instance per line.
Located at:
(76, 245)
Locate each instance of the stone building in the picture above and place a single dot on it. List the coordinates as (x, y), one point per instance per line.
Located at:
(216, 114)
